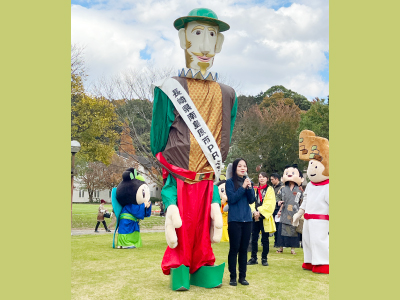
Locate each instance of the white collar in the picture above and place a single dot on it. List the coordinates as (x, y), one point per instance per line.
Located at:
(196, 74)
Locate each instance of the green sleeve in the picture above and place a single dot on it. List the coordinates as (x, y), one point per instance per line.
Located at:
(233, 116)
(216, 198)
(162, 119)
(169, 193)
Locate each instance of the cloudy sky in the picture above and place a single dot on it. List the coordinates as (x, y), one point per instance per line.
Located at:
(270, 42)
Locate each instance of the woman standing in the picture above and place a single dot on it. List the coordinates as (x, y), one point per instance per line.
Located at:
(263, 221)
(240, 194)
(100, 217)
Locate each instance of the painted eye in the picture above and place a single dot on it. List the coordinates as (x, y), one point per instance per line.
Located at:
(198, 32)
(212, 33)
(315, 166)
(222, 190)
(143, 193)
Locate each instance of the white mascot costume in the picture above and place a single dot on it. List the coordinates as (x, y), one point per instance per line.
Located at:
(315, 206)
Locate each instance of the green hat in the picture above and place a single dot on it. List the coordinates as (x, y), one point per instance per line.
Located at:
(201, 14)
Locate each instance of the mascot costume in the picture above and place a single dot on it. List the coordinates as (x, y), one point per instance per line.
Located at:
(130, 200)
(290, 197)
(315, 206)
(224, 198)
(192, 123)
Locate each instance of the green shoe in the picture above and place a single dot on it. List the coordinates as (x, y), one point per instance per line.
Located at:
(208, 276)
(179, 280)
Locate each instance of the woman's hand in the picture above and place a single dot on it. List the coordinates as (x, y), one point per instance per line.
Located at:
(279, 213)
(246, 183)
(280, 203)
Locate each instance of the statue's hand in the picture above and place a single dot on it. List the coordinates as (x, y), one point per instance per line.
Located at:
(172, 220)
(216, 223)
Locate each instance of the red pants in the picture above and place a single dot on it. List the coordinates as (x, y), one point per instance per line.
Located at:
(194, 243)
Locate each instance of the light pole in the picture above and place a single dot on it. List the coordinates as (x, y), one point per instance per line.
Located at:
(75, 147)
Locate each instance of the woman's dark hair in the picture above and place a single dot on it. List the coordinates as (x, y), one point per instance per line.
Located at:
(263, 174)
(295, 166)
(235, 177)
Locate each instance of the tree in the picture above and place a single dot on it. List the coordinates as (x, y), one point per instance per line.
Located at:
(93, 125)
(316, 118)
(93, 120)
(126, 144)
(298, 99)
(93, 178)
(113, 172)
(275, 98)
(267, 137)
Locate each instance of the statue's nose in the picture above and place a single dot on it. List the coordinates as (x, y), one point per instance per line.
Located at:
(205, 47)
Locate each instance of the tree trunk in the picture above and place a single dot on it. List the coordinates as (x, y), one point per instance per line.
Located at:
(90, 196)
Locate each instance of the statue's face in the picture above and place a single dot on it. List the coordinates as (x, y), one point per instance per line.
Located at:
(201, 42)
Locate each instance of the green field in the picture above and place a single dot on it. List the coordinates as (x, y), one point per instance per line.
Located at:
(84, 216)
(101, 272)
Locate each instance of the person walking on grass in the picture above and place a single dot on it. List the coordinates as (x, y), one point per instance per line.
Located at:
(100, 217)
(240, 193)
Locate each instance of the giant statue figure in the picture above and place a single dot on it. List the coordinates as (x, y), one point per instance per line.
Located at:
(193, 118)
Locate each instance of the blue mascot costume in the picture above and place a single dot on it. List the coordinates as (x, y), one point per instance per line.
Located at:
(130, 200)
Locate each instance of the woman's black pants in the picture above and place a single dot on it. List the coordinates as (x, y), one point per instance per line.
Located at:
(104, 223)
(257, 227)
(239, 236)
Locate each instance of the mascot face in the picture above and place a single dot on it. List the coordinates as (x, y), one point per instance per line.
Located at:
(132, 190)
(292, 174)
(314, 171)
(222, 193)
(201, 41)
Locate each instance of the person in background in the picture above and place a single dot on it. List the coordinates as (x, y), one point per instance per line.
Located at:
(162, 213)
(263, 221)
(289, 198)
(240, 193)
(100, 217)
(278, 185)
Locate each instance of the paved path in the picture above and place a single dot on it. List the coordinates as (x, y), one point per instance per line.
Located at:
(102, 231)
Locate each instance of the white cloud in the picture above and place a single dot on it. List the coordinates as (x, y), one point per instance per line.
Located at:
(264, 47)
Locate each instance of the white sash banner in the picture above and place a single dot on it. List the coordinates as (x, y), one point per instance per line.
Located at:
(189, 113)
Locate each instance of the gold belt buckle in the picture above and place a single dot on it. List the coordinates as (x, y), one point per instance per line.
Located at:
(201, 176)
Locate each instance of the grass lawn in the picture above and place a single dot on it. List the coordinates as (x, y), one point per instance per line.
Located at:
(101, 272)
(84, 216)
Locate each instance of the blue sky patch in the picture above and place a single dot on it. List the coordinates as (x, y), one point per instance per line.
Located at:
(325, 72)
(83, 3)
(145, 53)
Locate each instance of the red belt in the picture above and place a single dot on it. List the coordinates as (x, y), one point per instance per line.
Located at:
(181, 171)
(316, 217)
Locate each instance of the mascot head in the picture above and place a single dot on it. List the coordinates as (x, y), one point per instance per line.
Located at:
(132, 189)
(222, 191)
(201, 38)
(292, 174)
(316, 151)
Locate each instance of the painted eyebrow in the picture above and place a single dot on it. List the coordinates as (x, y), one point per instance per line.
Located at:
(212, 29)
(198, 27)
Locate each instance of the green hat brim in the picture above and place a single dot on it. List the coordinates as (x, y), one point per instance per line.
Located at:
(180, 22)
